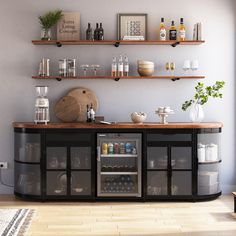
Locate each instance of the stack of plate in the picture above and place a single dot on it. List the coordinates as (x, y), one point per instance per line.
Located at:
(145, 68)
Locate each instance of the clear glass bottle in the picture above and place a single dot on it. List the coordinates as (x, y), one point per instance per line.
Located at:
(162, 30)
(114, 67)
(120, 67)
(126, 66)
(182, 30)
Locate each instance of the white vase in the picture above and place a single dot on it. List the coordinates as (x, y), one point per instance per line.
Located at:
(196, 114)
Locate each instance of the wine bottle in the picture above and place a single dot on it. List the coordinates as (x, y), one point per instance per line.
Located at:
(92, 113)
(162, 30)
(88, 114)
(96, 32)
(100, 32)
(89, 32)
(126, 66)
(173, 31)
(120, 67)
(182, 30)
(114, 67)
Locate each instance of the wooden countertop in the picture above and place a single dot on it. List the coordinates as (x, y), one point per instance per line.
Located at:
(124, 125)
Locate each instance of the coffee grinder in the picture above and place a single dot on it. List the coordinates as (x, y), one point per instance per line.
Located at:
(41, 114)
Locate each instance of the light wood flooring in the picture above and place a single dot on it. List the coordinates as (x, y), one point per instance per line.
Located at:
(145, 219)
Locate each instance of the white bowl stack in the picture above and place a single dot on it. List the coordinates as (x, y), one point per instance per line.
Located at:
(145, 68)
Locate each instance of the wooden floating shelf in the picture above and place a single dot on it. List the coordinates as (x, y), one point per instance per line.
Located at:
(116, 43)
(59, 78)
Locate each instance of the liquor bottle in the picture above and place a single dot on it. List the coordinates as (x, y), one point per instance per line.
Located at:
(96, 32)
(114, 67)
(100, 32)
(126, 66)
(162, 30)
(120, 67)
(89, 32)
(182, 30)
(173, 31)
(92, 113)
(88, 114)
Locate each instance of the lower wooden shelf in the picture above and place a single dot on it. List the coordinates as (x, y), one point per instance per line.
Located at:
(174, 78)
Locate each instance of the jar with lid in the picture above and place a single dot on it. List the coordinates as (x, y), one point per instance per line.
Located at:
(211, 152)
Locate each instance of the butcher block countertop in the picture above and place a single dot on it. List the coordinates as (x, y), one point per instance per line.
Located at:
(122, 125)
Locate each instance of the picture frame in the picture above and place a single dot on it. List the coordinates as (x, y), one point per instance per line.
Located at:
(68, 27)
(132, 25)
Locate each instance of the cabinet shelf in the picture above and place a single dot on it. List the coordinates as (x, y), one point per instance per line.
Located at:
(209, 162)
(119, 173)
(117, 43)
(119, 155)
(173, 78)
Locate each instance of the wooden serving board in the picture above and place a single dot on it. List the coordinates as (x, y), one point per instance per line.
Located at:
(84, 97)
(67, 109)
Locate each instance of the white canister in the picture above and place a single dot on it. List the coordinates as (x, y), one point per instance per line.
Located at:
(201, 152)
(211, 152)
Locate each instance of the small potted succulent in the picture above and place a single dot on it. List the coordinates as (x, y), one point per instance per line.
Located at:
(200, 98)
(47, 21)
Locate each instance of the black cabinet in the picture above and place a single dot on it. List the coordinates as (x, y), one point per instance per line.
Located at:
(61, 164)
(170, 164)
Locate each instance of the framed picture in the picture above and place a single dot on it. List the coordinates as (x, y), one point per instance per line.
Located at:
(68, 27)
(132, 26)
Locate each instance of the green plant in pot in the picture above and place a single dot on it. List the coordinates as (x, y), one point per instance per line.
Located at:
(47, 21)
(201, 97)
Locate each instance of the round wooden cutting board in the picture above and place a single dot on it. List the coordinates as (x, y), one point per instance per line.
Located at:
(84, 97)
(67, 109)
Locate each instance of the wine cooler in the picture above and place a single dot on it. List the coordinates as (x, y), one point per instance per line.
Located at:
(119, 158)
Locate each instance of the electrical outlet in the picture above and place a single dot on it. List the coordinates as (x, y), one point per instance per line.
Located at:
(3, 165)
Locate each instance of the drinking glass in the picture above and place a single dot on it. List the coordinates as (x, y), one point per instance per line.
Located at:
(84, 68)
(194, 65)
(95, 68)
(186, 66)
(172, 68)
(167, 67)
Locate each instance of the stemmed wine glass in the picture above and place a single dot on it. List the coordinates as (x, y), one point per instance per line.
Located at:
(84, 68)
(95, 68)
(172, 68)
(168, 67)
(194, 65)
(186, 66)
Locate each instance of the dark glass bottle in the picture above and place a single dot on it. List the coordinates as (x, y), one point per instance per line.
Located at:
(100, 33)
(89, 32)
(173, 31)
(96, 32)
(88, 114)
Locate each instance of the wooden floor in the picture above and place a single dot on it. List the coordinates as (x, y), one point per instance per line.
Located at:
(146, 219)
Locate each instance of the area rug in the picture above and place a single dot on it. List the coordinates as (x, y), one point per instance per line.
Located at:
(15, 222)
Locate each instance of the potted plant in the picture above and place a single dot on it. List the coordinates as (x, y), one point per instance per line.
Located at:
(48, 20)
(200, 98)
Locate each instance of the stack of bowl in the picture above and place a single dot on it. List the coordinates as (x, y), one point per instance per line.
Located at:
(145, 68)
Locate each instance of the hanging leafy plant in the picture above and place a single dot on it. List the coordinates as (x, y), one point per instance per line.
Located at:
(50, 18)
(203, 93)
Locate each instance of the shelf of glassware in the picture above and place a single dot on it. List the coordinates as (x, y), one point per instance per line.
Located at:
(117, 78)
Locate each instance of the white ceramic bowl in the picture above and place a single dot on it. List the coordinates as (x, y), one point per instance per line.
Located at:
(138, 117)
(145, 62)
(146, 72)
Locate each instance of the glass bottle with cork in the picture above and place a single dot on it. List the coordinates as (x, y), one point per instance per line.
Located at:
(162, 30)
(182, 30)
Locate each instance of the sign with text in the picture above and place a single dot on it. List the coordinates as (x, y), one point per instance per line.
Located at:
(68, 27)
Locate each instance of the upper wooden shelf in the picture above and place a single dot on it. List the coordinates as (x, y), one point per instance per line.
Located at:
(116, 43)
(173, 78)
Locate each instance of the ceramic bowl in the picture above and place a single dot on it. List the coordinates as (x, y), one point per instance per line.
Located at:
(138, 117)
(146, 72)
(145, 62)
(142, 66)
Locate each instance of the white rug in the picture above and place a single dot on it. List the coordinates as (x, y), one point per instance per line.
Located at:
(15, 222)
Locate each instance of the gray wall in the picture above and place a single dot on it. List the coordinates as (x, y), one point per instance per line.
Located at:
(19, 61)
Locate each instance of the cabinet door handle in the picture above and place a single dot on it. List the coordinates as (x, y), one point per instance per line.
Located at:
(98, 154)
